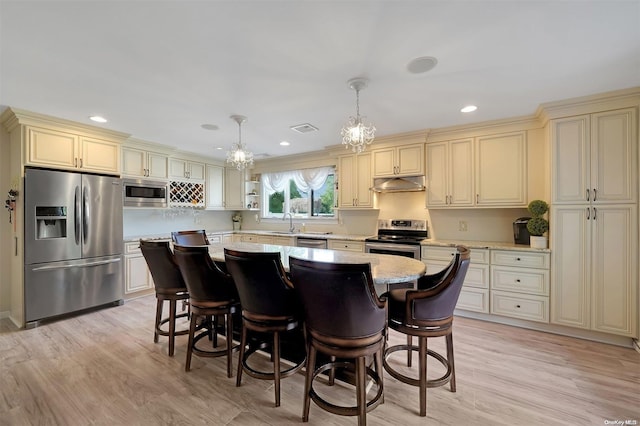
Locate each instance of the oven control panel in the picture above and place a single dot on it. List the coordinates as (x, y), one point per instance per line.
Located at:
(403, 224)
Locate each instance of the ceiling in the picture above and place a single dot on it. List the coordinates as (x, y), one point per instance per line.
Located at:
(160, 70)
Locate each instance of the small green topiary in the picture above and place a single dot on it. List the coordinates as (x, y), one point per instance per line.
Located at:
(538, 225)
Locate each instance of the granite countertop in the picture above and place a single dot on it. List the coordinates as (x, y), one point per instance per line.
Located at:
(498, 245)
(310, 234)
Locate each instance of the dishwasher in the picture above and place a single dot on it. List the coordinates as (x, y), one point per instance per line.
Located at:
(316, 243)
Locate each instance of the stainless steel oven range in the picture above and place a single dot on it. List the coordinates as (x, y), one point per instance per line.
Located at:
(399, 237)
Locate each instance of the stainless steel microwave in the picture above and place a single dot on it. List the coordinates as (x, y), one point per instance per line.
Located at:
(145, 193)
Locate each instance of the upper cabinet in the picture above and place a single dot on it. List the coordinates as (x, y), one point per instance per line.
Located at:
(60, 149)
(593, 158)
(214, 187)
(140, 163)
(405, 160)
(354, 186)
(487, 171)
(450, 174)
(234, 188)
(184, 169)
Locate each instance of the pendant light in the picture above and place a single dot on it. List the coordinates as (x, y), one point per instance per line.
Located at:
(355, 134)
(239, 156)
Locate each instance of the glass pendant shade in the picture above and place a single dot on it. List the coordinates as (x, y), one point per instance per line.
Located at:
(355, 134)
(238, 155)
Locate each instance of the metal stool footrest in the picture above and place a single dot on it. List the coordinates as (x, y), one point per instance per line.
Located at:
(257, 374)
(211, 353)
(162, 332)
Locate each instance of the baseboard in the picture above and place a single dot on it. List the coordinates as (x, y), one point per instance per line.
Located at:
(4, 314)
(636, 345)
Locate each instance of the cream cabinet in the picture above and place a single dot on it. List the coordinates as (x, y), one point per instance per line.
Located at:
(405, 160)
(474, 295)
(520, 284)
(183, 169)
(501, 170)
(234, 188)
(141, 163)
(346, 245)
(450, 174)
(284, 241)
(487, 171)
(594, 269)
(136, 272)
(594, 158)
(354, 186)
(214, 187)
(59, 149)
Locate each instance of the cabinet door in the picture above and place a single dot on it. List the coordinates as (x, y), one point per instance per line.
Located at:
(383, 162)
(364, 196)
(134, 162)
(177, 168)
(614, 260)
(52, 148)
(437, 174)
(410, 159)
(570, 159)
(99, 155)
(460, 174)
(157, 165)
(613, 156)
(233, 189)
(501, 170)
(196, 171)
(215, 187)
(347, 170)
(570, 274)
(137, 275)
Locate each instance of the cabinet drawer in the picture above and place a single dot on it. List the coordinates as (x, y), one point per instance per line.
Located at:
(346, 245)
(532, 308)
(477, 275)
(446, 253)
(132, 248)
(473, 299)
(249, 238)
(520, 258)
(521, 280)
(214, 238)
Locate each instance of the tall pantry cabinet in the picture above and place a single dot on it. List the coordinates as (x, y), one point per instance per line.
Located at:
(594, 221)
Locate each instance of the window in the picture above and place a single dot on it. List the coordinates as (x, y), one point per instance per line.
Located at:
(308, 193)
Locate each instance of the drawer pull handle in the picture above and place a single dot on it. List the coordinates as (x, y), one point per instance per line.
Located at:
(518, 280)
(517, 306)
(518, 259)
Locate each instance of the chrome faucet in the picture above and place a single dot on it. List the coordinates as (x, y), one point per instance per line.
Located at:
(291, 227)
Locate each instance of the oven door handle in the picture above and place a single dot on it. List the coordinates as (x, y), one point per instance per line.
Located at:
(394, 247)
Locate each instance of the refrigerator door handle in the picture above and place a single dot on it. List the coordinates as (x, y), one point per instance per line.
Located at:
(76, 215)
(73, 265)
(86, 216)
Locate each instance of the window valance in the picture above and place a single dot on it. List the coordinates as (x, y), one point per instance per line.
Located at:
(305, 179)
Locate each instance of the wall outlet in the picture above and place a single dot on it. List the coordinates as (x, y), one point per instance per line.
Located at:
(462, 226)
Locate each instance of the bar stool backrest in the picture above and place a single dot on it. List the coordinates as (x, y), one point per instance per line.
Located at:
(190, 238)
(161, 262)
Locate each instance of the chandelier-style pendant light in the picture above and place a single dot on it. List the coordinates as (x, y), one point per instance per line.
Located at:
(355, 134)
(238, 155)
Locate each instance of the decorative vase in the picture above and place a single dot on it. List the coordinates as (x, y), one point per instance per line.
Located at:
(236, 226)
(538, 242)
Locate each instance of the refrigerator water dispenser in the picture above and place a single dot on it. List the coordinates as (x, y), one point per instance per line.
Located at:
(51, 222)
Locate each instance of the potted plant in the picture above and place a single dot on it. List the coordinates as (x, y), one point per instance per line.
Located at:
(538, 225)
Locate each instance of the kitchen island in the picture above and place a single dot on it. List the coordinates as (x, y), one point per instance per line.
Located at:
(386, 270)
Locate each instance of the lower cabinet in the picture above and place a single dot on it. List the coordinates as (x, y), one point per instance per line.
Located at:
(520, 284)
(136, 272)
(474, 295)
(346, 245)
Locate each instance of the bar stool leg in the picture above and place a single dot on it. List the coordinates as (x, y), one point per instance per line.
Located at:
(361, 390)
(159, 303)
(276, 365)
(452, 381)
(243, 343)
(192, 332)
(172, 325)
(409, 351)
(311, 366)
(229, 319)
(423, 374)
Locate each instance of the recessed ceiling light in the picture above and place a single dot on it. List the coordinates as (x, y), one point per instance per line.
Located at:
(422, 64)
(219, 148)
(98, 119)
(285, 143)
(469, 108)
(210, 126)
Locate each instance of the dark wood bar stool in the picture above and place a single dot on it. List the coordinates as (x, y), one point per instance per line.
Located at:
(344, 319)
(169, 285)
(269, 305)
(424, 313)
(212, 294)
(190, 238)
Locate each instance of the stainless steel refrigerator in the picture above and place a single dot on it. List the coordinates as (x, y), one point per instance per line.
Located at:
(73, 243)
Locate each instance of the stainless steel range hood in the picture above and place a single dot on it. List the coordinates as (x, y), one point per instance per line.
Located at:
(399, 184)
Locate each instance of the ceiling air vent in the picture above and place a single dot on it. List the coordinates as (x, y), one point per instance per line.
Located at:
(304, 128)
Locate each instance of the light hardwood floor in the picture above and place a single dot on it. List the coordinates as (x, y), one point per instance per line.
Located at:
(102, 368)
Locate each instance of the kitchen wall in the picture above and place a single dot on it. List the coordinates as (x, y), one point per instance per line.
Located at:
(146, 222)
(444, 224)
